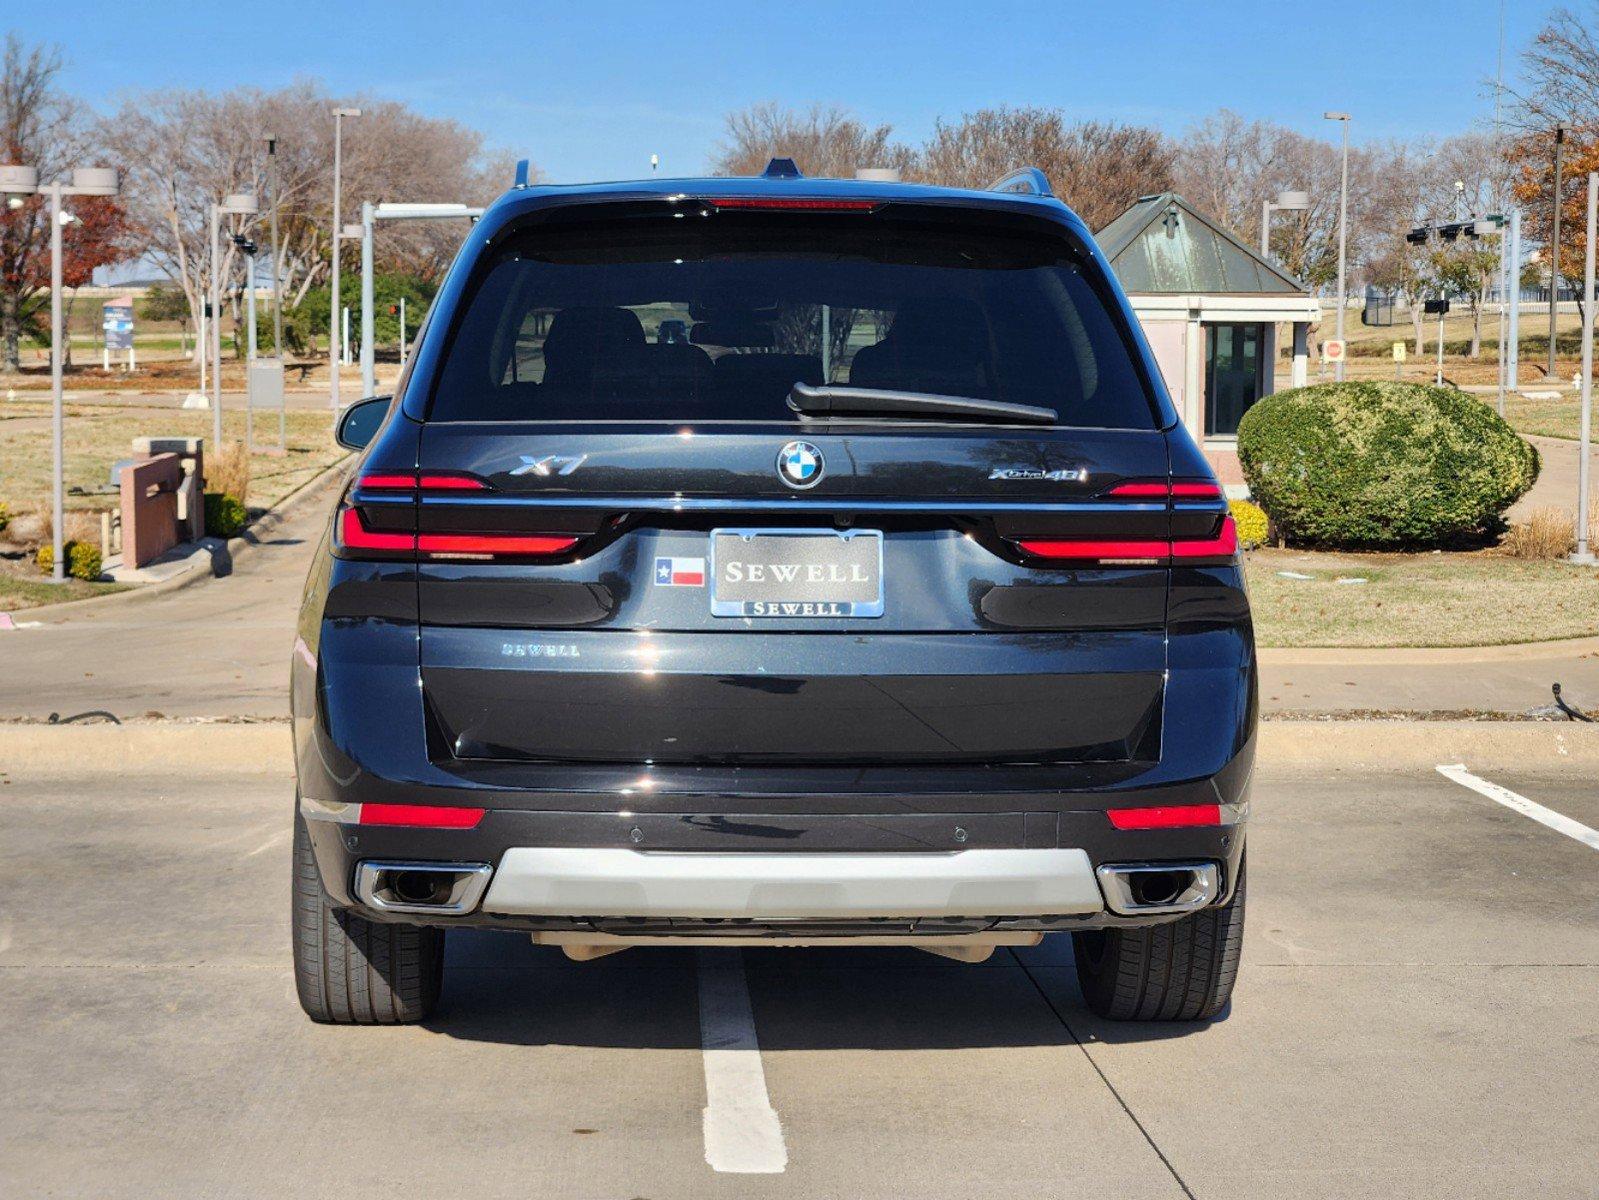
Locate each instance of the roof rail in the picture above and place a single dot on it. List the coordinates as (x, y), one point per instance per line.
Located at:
(782, 168)
(521, 173)
(1028, 181)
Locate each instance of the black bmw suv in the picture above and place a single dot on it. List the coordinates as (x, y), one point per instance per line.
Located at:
(891, 605)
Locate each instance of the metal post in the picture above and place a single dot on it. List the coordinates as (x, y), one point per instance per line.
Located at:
(216, 334)
(1343, 230)
(1439, 382)
(344, 354)
(57, 422)
(333, 302)
(1513, 365)
(249, 300)
(277, 294)
(402, 332)
(1265, 229)
(249, 356)
(1585, 434)
(1554, 244)
(369, 385)
(1504, 293)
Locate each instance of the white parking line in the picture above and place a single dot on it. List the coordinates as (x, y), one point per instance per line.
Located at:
(1527, 808)
(742, 1133)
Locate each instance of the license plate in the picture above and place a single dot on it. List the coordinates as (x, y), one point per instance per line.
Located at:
(796, 573)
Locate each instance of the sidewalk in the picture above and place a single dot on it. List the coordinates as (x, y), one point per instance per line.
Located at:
(1503, 681)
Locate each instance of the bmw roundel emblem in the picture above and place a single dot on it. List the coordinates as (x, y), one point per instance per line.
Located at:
(799, 464)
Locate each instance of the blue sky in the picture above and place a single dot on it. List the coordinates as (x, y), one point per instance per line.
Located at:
(591, 90)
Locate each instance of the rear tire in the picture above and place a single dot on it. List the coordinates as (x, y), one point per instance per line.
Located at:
(1180, 971)
(351, 971)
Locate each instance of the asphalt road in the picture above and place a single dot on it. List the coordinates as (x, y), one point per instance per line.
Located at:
(1416, 1016)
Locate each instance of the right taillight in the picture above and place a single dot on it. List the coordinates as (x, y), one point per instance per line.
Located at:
(1189, 551)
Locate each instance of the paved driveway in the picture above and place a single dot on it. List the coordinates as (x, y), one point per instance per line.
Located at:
(1416, 1016)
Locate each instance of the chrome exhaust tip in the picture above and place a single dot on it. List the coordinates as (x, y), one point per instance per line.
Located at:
(447, 889)
(1142, 889)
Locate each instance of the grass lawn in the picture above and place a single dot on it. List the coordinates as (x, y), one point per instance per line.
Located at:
(97, 436)
(1446, 599)
(18, 592)
(1548, 418)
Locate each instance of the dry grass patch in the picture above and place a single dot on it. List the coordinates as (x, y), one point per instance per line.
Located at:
(1482, 598)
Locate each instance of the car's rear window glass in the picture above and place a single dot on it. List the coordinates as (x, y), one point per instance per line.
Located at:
(717, 317)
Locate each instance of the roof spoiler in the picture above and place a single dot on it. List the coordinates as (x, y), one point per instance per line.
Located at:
(1027, 181)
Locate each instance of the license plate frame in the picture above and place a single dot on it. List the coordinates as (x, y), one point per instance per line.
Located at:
(778, 608)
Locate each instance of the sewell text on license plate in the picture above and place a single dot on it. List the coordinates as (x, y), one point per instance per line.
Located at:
(796, 573)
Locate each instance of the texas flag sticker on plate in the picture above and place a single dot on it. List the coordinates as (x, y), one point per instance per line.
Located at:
(679, 572)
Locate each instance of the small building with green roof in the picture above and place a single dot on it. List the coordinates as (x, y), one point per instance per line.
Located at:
(1210, 307)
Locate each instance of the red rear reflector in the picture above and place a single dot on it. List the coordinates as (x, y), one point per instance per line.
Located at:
(491, 544)
(354, 534)
(796, 203)
(387, 482)
(422, 816)
(1196, 491)
(452, 483)
(1130, 490)
(1098, 550)
(1224, 546)
(1165, 816)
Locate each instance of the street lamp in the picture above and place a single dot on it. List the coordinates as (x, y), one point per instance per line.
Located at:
(1343, 222)
(1554, 242)
(1285, 202)
(333, 309)
(17, 182)
(234, 204)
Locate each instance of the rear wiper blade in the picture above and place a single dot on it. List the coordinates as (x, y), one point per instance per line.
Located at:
(854, 401)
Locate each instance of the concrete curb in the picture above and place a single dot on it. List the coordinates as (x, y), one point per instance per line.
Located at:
(1414, 656)
(201, 561)
(265, 748)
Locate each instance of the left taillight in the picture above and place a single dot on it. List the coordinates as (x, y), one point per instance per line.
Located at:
(377, 519)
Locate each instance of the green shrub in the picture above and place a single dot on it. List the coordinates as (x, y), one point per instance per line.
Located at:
(1381, 465)
(1251, 522)
(83, 560)
(224, 515)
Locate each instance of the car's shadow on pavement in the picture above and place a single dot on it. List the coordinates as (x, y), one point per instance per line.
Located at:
(501, 988)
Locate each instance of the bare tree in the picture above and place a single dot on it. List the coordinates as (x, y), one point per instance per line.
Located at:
(42, 127)
(184, 150)
(1227, 166)
(826, 142)
(1561, 70)
(1097, 167)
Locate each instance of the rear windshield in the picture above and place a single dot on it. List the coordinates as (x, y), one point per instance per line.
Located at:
(716, 317)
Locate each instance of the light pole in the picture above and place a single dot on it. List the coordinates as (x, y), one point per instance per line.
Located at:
(248, 248)
(86, 181)
(1584, 553)
(333, 308)
(1554, 241)
(277, 297)
(1286, 202)
(1343, 224)
(236, 203)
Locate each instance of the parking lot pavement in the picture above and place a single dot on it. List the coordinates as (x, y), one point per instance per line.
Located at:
(1416, 1016)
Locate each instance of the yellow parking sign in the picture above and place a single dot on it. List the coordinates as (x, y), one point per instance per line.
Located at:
(1399, 352)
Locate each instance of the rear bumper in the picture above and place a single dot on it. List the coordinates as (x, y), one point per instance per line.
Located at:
(886, 874)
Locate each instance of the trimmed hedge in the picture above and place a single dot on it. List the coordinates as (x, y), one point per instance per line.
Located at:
(224, 515)
(1381, 465)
